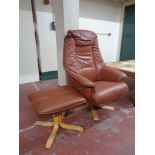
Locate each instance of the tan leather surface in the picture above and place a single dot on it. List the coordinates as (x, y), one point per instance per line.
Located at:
(55, 100)
(105, 91)
(81, 79)
(82, 57)
(81, 53)
(111, 74)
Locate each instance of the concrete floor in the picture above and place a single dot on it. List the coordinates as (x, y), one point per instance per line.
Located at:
(112, 135)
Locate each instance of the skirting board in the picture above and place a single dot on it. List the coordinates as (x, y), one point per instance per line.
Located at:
(48, 75)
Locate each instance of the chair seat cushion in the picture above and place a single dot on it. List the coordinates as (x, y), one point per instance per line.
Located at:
(106, 91)
(55, 100)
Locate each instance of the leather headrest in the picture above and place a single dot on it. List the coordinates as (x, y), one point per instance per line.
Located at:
(82, 34)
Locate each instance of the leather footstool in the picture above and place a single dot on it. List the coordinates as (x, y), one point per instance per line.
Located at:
(55, 102)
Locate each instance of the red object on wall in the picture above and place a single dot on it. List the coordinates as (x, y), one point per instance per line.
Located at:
(46, 2)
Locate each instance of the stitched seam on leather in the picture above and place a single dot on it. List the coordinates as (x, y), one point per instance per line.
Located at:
(93, 58)
(75, 53)
(69, 67)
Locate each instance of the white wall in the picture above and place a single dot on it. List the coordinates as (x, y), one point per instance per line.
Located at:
(95, 15)
(47, 38)
(67, 17)
(102, 17)
(28, 67)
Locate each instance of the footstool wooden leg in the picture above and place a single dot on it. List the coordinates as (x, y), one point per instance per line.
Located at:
(93, 111)
(50, 139)
(70, 127)
(43, 123)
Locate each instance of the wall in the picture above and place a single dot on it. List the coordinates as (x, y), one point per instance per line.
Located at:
(102, 17)
(97, 15)
(67, 17)
(47, 38)
(28, 67)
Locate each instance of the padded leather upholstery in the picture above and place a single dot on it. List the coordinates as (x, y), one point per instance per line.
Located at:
(86, 70)
(55, 100)
(107, 90)
(81, 54)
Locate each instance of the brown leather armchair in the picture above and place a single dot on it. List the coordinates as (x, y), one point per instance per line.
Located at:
(86, 71)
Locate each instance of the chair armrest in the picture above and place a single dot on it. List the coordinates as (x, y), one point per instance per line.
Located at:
(82, 80)
(111, 74)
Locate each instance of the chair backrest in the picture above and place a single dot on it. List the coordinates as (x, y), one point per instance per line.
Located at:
(82, 54)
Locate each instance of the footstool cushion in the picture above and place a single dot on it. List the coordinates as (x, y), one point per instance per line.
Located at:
(55, 100)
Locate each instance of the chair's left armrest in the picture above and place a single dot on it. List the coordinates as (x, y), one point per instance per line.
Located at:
(112, 74)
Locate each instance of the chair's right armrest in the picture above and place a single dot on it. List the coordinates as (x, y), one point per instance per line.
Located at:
(80, 79)
(112, 74)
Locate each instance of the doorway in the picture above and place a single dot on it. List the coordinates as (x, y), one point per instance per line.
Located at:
(128, 37)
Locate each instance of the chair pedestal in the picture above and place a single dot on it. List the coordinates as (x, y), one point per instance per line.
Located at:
(107, 107)
(57, 122)
(93, 111)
